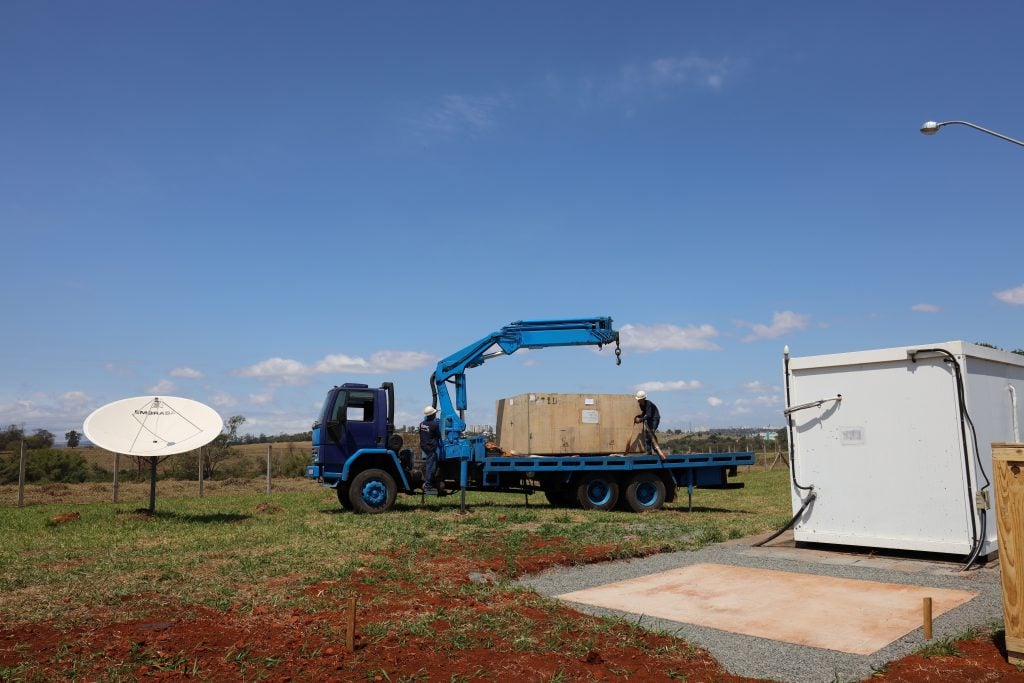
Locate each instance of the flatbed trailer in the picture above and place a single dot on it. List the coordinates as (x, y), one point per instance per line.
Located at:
(370, 479)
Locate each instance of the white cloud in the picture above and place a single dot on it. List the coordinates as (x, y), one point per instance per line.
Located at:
(699, 71)
(276, 423)
(164, 386)
(649, 338)
(463, 112)
(126, 369)
(75, 398)
(222, 399)
(669, 74)
(384, 361)
(530, 362)
(284, 370)
(758, 387)
(925, 308)
(1014, 297)
(782, 323)
(186, 373)
(714, 401)
(758, 401)
(675, 385)
(261, 399)
(337, 363)
(55, 413)
(290, 371)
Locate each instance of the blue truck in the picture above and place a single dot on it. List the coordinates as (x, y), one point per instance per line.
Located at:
(357, 451)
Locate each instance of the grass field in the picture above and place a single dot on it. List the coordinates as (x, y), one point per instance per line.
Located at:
(244, 559)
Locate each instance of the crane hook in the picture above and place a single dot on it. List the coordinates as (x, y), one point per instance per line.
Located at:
(618, 353)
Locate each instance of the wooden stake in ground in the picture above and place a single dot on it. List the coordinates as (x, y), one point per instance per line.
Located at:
(269, 447)
(350, 632)
(21, 476)
(927, 606)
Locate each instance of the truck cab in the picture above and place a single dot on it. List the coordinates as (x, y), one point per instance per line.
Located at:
(355, 434)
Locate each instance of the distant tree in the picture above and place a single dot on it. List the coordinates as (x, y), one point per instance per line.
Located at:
(10, 438)
(219, 449)
(48, 465)
(73, 438)
(988, 346)
(39, 439)
(1019, 352)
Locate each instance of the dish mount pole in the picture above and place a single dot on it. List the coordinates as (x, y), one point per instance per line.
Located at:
(152, 485)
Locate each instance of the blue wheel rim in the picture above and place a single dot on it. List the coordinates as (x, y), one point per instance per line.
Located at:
(647, 493)
(598, 492)
(375, 493)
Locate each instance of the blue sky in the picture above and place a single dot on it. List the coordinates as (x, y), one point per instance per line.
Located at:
(246, 203)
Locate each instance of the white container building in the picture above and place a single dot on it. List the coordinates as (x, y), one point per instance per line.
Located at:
(895, 444)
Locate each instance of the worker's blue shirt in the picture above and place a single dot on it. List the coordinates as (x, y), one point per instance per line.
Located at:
(430, 435)
(651, 415)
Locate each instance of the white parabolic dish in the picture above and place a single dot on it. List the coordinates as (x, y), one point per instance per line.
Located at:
(151, 426)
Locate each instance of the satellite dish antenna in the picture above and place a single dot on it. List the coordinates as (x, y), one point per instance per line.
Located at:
(153, 427)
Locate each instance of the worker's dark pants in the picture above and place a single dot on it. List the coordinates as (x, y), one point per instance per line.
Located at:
(429, 468)
(648, 442)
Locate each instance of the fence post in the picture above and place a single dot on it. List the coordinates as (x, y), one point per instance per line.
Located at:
(117, 474)
(21, 476)
(269, 447)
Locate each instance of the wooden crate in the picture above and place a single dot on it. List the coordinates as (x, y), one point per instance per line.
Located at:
(568, 424)
(1008, 467)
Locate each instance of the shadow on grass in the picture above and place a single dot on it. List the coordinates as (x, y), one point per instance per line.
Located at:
(211, 518)
(700, 508)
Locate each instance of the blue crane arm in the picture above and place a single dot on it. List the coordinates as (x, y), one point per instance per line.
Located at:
(525, 334)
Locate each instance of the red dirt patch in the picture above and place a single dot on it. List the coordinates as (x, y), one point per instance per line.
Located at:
(980, 659)
(423, 618)
(65, 518)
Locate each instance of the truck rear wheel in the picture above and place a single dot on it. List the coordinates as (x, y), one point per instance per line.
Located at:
(372, 491)
(645, 491)
(343, 496)
(597, 492)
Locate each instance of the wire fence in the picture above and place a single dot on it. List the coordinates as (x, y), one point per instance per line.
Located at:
(51, 475)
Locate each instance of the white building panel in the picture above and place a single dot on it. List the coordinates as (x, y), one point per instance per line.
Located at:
(894, 462)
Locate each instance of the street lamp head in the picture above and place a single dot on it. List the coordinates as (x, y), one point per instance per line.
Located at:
(930, 128)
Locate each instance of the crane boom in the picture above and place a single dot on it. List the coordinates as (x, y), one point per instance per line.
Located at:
(524, 334)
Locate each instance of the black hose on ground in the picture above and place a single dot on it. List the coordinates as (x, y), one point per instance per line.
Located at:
(810, 499)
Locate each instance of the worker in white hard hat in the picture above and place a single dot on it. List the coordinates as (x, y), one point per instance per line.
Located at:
(650, 417)
(430, 443)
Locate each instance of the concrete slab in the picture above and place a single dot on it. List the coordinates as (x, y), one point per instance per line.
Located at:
(845, 615)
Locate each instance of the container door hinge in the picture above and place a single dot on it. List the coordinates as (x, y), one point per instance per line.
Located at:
(981, 500)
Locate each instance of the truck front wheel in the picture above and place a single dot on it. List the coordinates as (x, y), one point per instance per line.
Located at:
(645, 491)
(343, 496)
(372, 491)
(597, 492)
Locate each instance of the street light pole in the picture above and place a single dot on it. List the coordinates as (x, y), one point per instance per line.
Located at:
(931, 128)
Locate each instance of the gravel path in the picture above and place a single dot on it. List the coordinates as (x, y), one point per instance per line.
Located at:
(776, 660)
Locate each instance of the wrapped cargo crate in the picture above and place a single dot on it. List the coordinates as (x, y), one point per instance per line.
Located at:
(568, 424)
